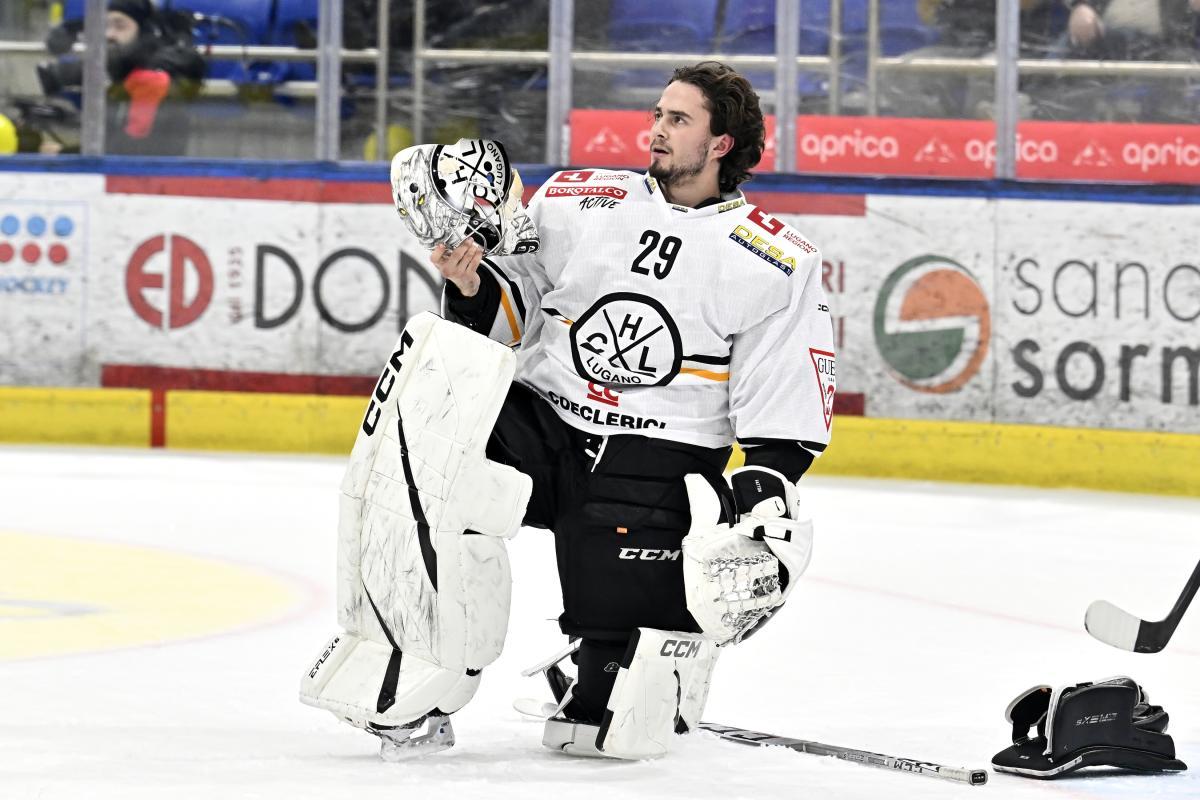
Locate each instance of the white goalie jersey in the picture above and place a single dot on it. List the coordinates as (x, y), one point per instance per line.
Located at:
(694, 325)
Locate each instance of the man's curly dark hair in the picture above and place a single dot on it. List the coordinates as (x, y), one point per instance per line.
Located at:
(733, 107)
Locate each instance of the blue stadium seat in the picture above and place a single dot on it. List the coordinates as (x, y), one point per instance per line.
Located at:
(230, 22)
(750, 27)
(291, 15)
(901, 29)
(682, 26)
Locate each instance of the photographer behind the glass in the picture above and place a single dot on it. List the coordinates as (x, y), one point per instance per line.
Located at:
(152, 69)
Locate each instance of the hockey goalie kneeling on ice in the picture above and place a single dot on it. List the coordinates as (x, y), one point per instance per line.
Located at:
(423, 575)
(743, 552)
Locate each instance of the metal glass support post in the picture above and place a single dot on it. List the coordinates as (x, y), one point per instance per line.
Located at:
(1008, 31)
(835, 57)
(329, 79)
(382, 82)
(558, 90)
(418, 72)
(95, 75)
(787, 47)
(873, 56)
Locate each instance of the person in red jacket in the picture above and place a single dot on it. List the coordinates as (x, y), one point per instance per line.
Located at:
(149, 81)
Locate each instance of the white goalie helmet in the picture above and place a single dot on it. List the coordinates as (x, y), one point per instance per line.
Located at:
(446, 193)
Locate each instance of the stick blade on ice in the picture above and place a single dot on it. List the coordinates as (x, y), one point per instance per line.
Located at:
(1111, 625)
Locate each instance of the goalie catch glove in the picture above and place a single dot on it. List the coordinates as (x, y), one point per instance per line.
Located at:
(747, 545)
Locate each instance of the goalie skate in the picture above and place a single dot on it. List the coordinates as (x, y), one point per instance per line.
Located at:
(404, 743)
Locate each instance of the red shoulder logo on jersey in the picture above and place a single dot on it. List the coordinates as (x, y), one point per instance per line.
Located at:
(574, 176)
(824, 363)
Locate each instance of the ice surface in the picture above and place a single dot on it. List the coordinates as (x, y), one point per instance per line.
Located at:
(926, 609)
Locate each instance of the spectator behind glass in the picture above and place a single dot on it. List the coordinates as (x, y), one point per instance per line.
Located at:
(152, 69)
(150, 77)
(1133, 29)
(966, 29)
(1129, 30)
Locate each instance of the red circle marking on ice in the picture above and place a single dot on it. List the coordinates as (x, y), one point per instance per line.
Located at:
(6, 253)
(31, 253)
(58, 253)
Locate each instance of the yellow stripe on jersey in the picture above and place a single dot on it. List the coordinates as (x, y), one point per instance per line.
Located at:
(512, 318)
(704, 373)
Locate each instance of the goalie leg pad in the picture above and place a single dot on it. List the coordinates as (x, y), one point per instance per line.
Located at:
(423, 575)
(368, 684)
(660, 690)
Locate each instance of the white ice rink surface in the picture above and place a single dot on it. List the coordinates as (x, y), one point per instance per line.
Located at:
(926, 609)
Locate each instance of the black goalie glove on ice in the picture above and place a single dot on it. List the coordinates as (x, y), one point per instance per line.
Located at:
(1108, 723)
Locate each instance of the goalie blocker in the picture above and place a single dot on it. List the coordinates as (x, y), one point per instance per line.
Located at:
(423, 575)
(1107, 723)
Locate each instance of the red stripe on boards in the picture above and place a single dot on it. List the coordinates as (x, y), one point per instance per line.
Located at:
(215, 380)
(295, 190)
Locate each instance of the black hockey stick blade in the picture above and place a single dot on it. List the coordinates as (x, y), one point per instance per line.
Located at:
(973, 777)
(1123, 630)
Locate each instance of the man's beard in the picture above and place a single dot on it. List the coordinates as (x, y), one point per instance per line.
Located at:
(680, 172)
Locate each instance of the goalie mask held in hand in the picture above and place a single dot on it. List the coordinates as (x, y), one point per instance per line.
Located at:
(447, 193)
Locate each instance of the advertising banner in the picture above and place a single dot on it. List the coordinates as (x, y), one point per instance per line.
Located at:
(256, 285)
(1021, 311)
(946, 308)
(45, 262)
(943, 148)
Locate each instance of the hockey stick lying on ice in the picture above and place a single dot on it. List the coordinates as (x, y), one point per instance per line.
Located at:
(559, 681)
(974, 777)
(1121, 629)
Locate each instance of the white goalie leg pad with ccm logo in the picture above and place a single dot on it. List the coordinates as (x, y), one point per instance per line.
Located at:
(423, 575)
(660, 690)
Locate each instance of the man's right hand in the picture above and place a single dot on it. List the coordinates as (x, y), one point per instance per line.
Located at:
(460, 266)
(1084, 25)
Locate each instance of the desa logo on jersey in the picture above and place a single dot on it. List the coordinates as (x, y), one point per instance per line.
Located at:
(763, 249)
(932, 324)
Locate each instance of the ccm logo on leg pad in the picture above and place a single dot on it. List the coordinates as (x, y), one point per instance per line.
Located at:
(675, 648)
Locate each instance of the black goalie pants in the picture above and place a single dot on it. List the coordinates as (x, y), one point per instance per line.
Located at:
(619, 511)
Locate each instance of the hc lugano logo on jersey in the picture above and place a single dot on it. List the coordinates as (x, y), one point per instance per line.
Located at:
(932, 324)
(626, 339)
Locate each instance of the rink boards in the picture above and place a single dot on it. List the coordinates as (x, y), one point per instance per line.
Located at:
(1032, 334)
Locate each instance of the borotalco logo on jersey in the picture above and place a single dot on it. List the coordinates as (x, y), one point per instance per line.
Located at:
(626, 339)
(586, 191)
(169, 282)
(932, 324)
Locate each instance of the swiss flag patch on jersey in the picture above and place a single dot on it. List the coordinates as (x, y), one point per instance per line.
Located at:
(824, 363)
(574, 176)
